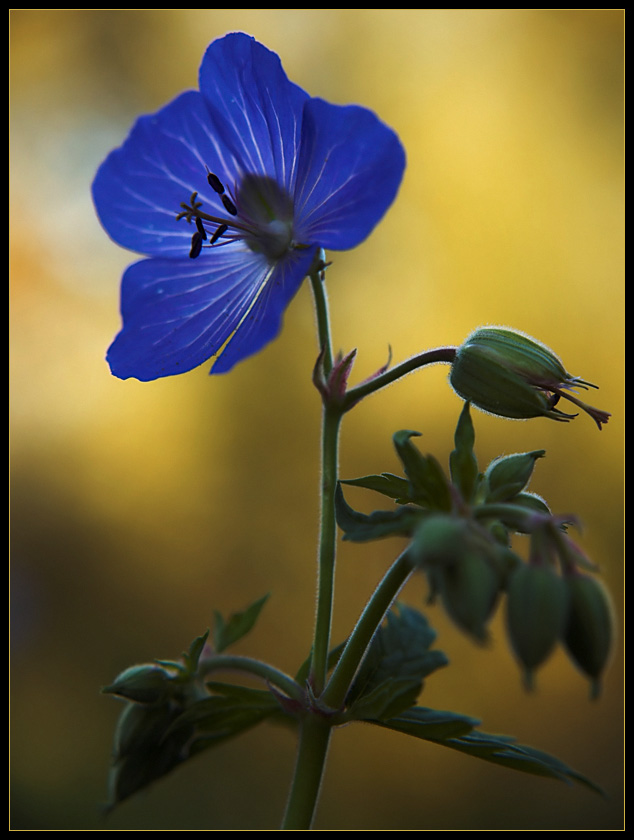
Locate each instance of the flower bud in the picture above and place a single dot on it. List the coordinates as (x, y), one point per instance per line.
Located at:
(511, 375)
(460, 559)
(589, 630)
(143, 684)
(537, 607)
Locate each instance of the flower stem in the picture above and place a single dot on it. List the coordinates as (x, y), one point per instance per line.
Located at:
(339, 684)
(246, 665)
(429, 357)
(314, 739)
(331, 421)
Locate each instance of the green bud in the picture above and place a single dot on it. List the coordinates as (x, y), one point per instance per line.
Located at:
(537, 608)
(460, 559)
(143, 684)
(512, 375)
(589, 630)
(139, 727)
(507, 476)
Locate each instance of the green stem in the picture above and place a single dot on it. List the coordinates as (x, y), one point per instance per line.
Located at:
(314, 734)
(327, 549)
(314, 739)
(255, 668)
(323, 319)
(429, 357)
(339, 684)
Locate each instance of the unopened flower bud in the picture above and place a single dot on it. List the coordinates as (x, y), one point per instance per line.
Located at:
(461, 562)
(537, 608)
(142, 683)
(589, 630)
(509, 374)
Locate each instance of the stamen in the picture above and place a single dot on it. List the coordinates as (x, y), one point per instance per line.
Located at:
(215, 183)
(218, 233)
(197, 244)
(201, 229)
(229, 205)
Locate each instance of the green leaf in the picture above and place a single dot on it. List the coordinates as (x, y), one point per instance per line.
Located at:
(393, 670)
(455, 731)
(509, 475)
(192, 656)
(144, 751)
(150, 741)
(429, 485)
(386, 700)
(359, 527)
(239, 624)
(430, 724)
(503, 750)
(390, 485)
(463, 463)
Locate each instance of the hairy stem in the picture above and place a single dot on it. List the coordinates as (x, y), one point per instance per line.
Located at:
(362, 635)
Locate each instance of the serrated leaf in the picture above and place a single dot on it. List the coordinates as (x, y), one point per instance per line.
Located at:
(393, 670)
(390, 485)
(429, 485)
(360, 527)
(239, 624)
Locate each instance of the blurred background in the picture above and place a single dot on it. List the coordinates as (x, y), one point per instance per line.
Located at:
(137, 509)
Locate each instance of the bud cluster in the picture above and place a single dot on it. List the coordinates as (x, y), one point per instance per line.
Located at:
(461, 530)
(148, 743)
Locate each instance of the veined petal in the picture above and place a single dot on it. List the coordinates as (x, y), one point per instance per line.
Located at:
(264, 321)
(177, 313)
(256, 110)
(139, 188)
(350, 168)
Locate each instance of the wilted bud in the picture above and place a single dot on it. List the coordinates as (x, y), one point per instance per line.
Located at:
(589, 630)
(537, 608)
(143, 684)
(511, 375)
(461, 560)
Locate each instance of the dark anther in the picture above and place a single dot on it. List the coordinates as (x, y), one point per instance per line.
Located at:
(229, 205)
(215, 183)
(218, 233)
(197, 244)
(201, 229)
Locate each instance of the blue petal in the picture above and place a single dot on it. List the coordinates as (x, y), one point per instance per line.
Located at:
(264, 321)
(179, 313)
(257, 111)
(350, 168)
(140, 186)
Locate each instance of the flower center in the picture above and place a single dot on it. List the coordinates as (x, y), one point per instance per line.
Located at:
(260, 214)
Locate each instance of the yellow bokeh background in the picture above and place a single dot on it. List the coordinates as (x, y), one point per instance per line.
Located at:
(138, 509)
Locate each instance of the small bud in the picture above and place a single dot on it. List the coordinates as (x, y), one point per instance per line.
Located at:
(143, 684)
(511, 375)
(537, 608)
(589, 630)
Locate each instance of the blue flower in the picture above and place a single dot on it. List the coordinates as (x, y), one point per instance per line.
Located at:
(230, 192)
